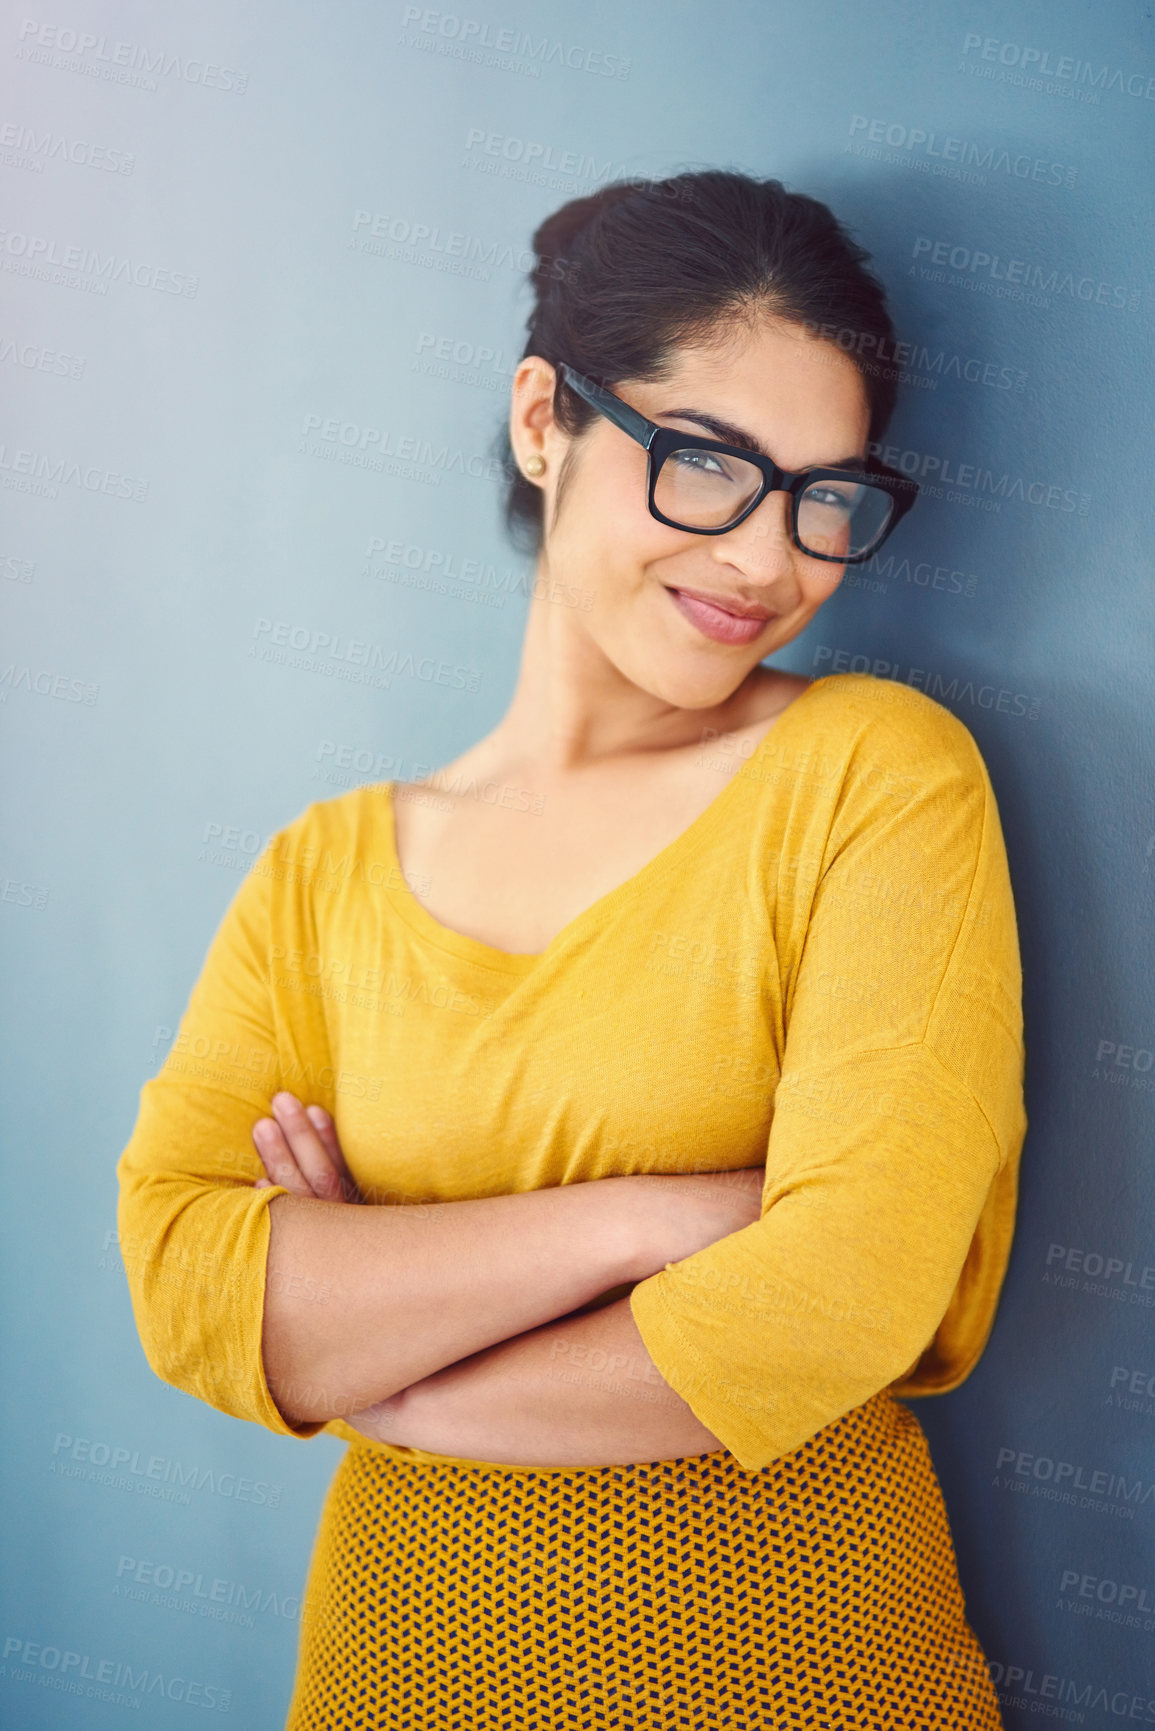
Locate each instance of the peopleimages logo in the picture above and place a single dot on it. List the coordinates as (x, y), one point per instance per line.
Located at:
(1040, 63)
(119, 62)
(24, 147)
(1061, 1478)
(935, 472)
(34, 254)
(160, 1471)
(1108, 1592)
(450, 249)
(325, 651)
(954, 689)
(28, 471)
(473, 37)
(39, 359)
(540, 163)
(910, 363)
(1022, 1686)
(46, 684)
(943, 152)
(178, 1588)
(1017, 276)
(119, 1683)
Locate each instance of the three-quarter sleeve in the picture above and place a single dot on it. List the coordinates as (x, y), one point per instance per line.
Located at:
(193, 1231)
(898, 1116)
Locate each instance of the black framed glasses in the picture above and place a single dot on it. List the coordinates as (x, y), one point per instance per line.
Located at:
(842, 515)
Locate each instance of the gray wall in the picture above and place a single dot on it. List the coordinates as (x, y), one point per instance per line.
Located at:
(229, 408)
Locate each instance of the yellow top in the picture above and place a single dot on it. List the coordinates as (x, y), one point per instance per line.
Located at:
(821, 972)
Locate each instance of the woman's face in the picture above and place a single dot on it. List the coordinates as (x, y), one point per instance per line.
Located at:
(804, 403)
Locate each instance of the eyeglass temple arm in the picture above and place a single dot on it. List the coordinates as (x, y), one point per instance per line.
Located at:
(638, 426)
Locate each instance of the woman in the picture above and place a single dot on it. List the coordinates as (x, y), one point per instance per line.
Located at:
(680, 1017)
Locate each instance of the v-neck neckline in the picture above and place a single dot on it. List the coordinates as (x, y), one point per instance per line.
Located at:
(418, 917)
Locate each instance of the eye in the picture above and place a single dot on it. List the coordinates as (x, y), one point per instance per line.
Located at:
(829, 497)
(704, 460)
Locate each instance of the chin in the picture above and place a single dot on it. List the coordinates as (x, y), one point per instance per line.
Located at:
(686, 686)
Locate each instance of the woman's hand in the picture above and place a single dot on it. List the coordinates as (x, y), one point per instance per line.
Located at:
(299, 1149)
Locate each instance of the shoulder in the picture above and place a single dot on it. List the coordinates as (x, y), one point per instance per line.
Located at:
(339, 838)
(873, 724)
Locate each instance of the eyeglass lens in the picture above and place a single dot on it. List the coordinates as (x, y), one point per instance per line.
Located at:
(708, 490)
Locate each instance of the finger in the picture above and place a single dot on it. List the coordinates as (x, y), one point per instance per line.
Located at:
(277, 1158)
(307, 1148)
(288, 1169)
(327, 1131)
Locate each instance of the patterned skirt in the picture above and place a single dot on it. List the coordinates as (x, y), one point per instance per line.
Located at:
(679, 1595)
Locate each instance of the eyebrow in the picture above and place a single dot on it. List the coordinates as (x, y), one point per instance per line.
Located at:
(729, 434)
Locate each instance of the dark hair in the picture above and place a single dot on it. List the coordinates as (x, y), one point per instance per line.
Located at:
(640, 267)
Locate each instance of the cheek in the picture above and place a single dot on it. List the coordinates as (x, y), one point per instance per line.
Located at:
(818, 583)
(615, 491)
(605, 516)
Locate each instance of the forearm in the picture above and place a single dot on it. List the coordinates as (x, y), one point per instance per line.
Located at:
(580, 1391)
(363, 1301)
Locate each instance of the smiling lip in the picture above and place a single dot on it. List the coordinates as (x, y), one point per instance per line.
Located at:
(719, 623)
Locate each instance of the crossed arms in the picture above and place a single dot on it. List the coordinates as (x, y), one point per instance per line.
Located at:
(464, 1328)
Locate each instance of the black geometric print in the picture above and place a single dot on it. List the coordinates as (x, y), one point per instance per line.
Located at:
(683, 1595)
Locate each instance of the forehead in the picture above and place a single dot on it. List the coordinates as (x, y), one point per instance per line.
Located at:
(800, 396)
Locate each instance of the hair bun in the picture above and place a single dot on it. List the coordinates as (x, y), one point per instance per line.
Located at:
(556, 235)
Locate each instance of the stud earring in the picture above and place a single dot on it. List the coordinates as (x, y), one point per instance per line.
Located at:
(535, 465)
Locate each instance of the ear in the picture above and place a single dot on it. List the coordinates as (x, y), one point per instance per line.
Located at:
(531, 416)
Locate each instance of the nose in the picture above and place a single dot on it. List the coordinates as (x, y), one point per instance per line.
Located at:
(761, 542)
